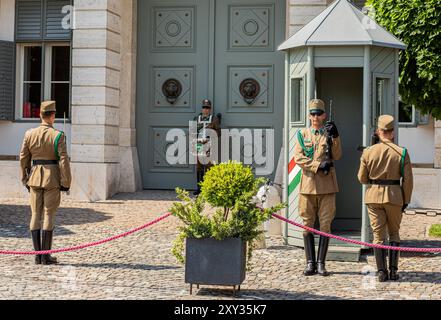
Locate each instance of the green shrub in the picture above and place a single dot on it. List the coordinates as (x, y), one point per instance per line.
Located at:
(435, 231)
(229, 188)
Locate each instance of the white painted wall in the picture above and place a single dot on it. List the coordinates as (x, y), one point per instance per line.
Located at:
(7, 17)
(420, 142)
(11, 136)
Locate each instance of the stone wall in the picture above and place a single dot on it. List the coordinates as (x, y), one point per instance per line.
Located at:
(300, 12)
(96, 63)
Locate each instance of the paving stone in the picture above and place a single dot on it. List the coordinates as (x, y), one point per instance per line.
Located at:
(141, 266)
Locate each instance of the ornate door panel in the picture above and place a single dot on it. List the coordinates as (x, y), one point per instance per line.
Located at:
(189, 50)
(173, 56)
(249, 71)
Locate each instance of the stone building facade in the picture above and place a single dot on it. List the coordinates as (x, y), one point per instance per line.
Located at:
(102, 129)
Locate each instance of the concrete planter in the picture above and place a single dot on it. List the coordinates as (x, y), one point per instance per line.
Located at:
(213, 262)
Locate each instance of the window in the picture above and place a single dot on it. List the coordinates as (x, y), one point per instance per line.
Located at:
(43, 74)
(410, 117)
(297, 101)
(382, 98)
(407, 114)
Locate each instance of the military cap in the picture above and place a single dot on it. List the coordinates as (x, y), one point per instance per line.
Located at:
(317, 106)
(386, 122)
(47, 106)
(206, 103)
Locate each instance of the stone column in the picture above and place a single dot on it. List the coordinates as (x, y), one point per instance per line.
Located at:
(130, 173)
(438, 144)
(96, 66)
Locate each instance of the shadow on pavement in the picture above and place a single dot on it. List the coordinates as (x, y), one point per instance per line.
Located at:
(153, 195)
(123, 266)
(420, 244)
(15, 219)
(262, 294)
(423, 277)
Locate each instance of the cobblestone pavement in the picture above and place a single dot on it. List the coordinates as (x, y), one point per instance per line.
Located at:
(142, 267)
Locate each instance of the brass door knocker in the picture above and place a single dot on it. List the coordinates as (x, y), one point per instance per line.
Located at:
(172, 90)
(250, 90)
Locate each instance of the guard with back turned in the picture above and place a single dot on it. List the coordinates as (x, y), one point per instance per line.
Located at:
(45, 170)
(387, 171)
(205, 121)
(319, 182)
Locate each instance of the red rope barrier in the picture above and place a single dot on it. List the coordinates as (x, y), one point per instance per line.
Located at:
(370, 245)
(88, 245)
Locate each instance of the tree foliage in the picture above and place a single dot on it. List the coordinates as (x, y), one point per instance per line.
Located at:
(418, 24)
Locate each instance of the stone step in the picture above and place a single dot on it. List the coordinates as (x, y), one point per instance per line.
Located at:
(344, 254)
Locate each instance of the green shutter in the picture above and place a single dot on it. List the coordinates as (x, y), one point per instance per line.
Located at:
(7, 80)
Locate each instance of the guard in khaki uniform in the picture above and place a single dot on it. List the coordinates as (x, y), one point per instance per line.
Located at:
(205, 121)
(46, 172)
(319, 182)
(387, 170)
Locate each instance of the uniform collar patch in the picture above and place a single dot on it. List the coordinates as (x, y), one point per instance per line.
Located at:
(320, 131)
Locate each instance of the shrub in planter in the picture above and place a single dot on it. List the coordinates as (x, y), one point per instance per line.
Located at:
(228, 189)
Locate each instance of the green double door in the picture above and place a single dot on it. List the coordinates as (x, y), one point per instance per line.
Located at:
(223, 50)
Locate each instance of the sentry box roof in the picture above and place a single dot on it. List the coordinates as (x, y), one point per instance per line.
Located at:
(342, 24)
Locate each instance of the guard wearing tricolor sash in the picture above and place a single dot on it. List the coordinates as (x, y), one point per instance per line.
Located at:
(387, 171)
(317, 149)
(205, 121)
(46, 173)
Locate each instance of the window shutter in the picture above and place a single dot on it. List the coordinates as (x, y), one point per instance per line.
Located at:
(38, 20)
(53, 20)
(29, 21)
(7, 80)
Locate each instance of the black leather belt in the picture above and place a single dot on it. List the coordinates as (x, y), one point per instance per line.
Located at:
(45, 162)
(385, 182)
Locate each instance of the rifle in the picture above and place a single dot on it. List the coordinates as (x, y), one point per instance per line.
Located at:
(375, 139)
(329, 140)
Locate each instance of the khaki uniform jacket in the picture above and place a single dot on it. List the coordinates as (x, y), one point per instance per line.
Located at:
(315, 182)
(40, 144)
(384, 162)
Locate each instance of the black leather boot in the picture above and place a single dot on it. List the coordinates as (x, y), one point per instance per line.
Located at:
(36, 240)
(393, 262)
(311, 264)
(322, 253)
(380, 257)
(46, 259)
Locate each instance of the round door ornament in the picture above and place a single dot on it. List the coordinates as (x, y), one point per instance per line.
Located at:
(172, 90)
(250, 90)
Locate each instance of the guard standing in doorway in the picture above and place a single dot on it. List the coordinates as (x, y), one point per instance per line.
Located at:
(319, 182)
(387, 171)
(205, 121)
(46, 173)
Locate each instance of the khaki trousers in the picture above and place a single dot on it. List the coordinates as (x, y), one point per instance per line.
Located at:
(323, 206)
(384, 218)
(44, 205)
